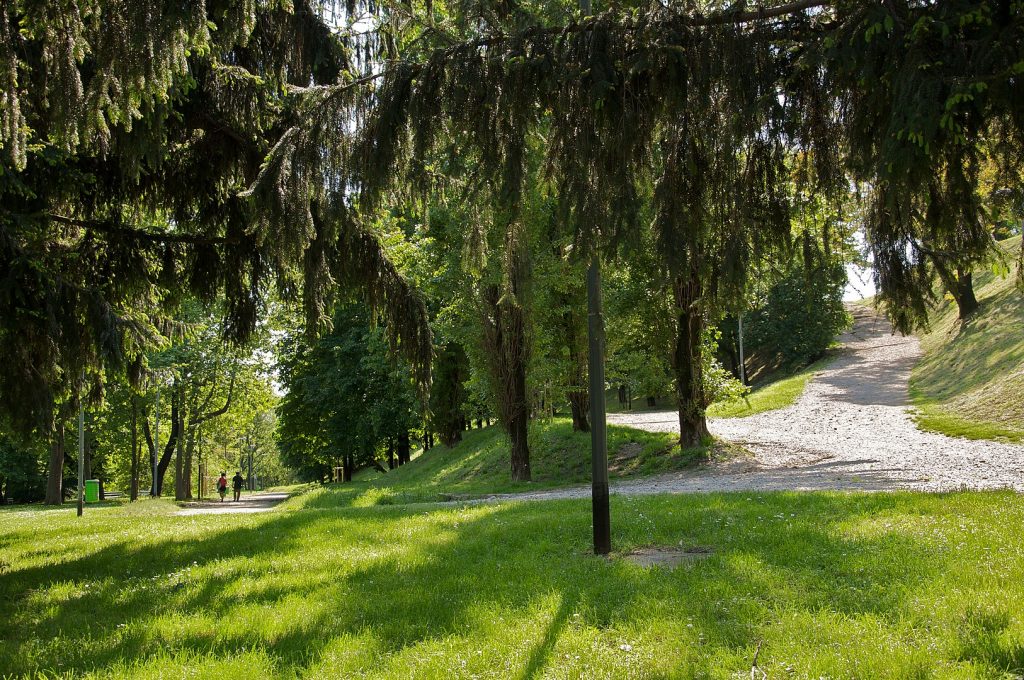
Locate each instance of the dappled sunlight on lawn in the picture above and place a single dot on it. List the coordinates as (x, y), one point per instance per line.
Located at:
(512, 590)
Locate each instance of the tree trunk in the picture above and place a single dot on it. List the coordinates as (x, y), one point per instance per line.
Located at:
(517, 434)
(579, 397)
(687, 362)
(505, 340)
(391, 453)
(165, 459)
(513, 402)
(179, 455)
(518, 410)
(190, 449)
(579, 404)
(960, 285)
(346, 469)
(133, 486)
(55, 471)
(966, 300)
(404, 452)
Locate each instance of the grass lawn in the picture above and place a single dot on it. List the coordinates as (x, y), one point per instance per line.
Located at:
(831, 585)
(479, 464)
(971, 378)
(778, 394)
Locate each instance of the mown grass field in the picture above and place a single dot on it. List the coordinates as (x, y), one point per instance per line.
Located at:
(831, 585)
(970, 381)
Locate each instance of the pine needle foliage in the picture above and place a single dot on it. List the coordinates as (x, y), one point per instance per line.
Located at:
(901, 95)
(133, 134)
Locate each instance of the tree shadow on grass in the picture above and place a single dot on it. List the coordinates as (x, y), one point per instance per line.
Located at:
(336, 573)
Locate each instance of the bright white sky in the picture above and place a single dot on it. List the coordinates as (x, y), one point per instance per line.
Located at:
(859, 285)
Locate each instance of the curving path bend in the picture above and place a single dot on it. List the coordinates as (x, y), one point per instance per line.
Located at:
(851, 429)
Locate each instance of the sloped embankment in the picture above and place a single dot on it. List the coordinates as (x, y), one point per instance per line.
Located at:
(970, 380)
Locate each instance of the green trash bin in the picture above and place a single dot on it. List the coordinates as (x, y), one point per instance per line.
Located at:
(92, 491)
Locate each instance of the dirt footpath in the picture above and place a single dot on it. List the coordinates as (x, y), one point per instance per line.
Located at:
(849, 430)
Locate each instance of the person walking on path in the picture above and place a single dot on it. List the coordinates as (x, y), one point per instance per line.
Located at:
(237, 481)
(222, 486)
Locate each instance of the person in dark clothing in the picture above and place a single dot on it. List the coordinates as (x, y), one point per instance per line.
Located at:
(237, 482)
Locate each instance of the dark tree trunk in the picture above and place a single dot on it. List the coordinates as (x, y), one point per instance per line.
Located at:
(960, 285)
(505, 339)
(732, 352)
(622, 394)
(579, 404)
(55, 470)
(346, 470)
(165, 459)
(518, 410)
(179, 456)
(652, 401)
(404, 448)
(190, 449)
(391, 453)
(966, 300)
(579, 397)
(517, 434)
(687, 362)
(133, 487)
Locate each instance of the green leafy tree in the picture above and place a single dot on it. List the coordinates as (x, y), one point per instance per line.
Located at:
(344, 398)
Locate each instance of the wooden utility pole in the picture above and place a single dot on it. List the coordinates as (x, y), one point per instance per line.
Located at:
(81, 451)
(156, 443)
(743, 367)
(598, 435)
(595, 365)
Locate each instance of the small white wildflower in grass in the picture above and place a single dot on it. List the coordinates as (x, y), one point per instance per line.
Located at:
(626, 648)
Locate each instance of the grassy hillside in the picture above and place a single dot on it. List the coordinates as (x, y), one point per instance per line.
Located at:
(779, 393)
(480, 464)
(971, 380)
(825, 585)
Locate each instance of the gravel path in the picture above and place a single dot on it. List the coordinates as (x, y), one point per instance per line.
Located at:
(257, 502)
(849, 430)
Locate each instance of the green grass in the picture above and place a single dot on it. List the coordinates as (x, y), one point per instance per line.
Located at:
(970, 381)
(775, 395)
(830, 585)
(479, 464)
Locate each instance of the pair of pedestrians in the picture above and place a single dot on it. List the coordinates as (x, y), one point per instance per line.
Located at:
(236, 481)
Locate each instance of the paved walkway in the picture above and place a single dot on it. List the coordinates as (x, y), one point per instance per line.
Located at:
(851, 429)
(259, 502)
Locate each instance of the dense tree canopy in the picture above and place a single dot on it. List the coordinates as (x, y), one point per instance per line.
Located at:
(130, 133)
(152, 152)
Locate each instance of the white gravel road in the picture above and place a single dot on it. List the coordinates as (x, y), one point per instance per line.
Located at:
(851, 429)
